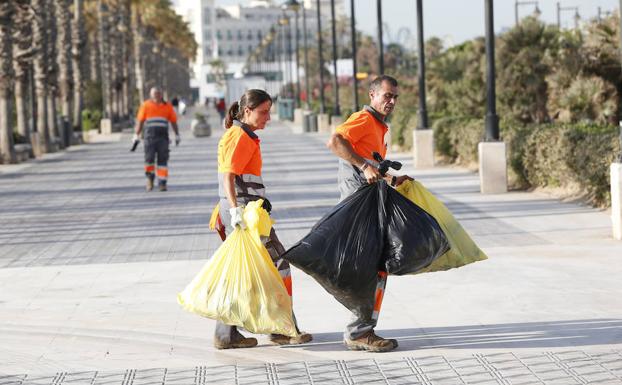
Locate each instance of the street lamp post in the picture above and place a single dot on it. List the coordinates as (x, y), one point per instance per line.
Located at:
(492, 120)
(306, 57)
(336, 110)
(283, 22)
(519, 3)
(355, 81)
(380, 44)
(577, 17)
(492, 152)
(297, 37)
(320, 57)
(423, 113)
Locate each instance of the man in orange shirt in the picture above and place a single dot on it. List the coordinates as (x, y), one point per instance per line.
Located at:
(154, 116)
(354, 142)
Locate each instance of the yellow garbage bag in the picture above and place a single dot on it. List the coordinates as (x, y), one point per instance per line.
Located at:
(463, 250)
(240, 285)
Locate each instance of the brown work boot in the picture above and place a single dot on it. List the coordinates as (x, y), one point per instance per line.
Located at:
(149, 184)
(280, 339)
(371, 343)
(162, 187)
(236, 341)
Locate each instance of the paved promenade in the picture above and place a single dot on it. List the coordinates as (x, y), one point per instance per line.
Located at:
(90, 265)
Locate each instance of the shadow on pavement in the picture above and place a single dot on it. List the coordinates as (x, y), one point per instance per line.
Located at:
(554, 334)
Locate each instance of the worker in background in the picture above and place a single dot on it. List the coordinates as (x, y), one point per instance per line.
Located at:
(154, 117)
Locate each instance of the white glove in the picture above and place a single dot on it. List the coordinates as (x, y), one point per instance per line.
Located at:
(177, 140)
(135, 138)
(237, 216)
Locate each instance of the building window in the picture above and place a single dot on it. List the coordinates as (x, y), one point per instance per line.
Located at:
(259, 35)
(207, 13)
(240, 51)
(229, 35)
(219, 35)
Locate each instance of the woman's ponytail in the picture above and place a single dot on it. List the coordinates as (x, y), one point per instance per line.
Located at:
(232, 114)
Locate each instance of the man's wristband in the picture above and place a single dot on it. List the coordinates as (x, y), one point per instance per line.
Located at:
(393, 180)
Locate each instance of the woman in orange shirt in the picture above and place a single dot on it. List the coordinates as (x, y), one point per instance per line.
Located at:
(240, 182)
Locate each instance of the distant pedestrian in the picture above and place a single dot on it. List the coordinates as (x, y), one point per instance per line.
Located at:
(154, 117)
(221, 108)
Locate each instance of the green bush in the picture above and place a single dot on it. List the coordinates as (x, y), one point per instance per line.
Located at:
(91, 119)
(553, 155)
(456, 138)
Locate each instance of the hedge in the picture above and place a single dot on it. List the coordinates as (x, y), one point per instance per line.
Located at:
(546, 155)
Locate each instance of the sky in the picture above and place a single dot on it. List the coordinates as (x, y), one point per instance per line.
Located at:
(457, 20)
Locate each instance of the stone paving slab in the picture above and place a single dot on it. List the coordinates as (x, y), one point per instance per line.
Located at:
(564, 368)
(90, 265)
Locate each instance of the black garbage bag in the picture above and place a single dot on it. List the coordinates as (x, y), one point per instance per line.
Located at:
(374, 229)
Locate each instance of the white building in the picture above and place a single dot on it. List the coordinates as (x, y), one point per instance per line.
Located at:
(231, 33)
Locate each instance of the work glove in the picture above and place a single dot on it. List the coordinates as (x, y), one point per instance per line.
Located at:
(266, 205)
(237, 217)
(135, 141)
(177, 140)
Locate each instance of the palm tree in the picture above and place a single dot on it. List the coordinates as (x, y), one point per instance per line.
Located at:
(77, 50)
(104, 54)
(52, 69)
(40, 61)
(137, 39)
(63, 59)
(22, 59)
(7, 151)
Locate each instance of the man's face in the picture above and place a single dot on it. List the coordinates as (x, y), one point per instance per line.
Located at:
(384, 99)
(156, 96)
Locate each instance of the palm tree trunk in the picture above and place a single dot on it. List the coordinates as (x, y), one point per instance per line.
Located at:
(137, 39)
(92, 44)
(63, 58)
(7, 150)
(126, 59)
(39, 41)
(22, 56)
(77, 49)
(52, 69)
(102, 16)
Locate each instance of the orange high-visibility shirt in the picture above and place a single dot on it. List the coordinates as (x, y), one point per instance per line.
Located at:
(149, 110)
(365, 133)
(238, 153)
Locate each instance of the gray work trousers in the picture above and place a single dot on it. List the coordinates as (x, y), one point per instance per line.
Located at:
(225, 332)
(351, 179)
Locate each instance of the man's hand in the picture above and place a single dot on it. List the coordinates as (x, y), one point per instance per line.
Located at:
(237, 217)
(371, 173)
(177, 140)
(135, 141)
(401, 179)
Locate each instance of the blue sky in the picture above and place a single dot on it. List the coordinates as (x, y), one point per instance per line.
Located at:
(459, 20)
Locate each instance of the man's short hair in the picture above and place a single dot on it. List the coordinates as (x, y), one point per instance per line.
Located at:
(376, 84)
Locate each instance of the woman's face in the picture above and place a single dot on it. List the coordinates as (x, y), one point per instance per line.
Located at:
(259, 116)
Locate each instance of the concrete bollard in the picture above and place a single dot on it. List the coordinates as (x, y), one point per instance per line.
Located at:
(616, 200)
(323, 123)
(298, 116)
(105, 126)
(492, 168)
(423, 148)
